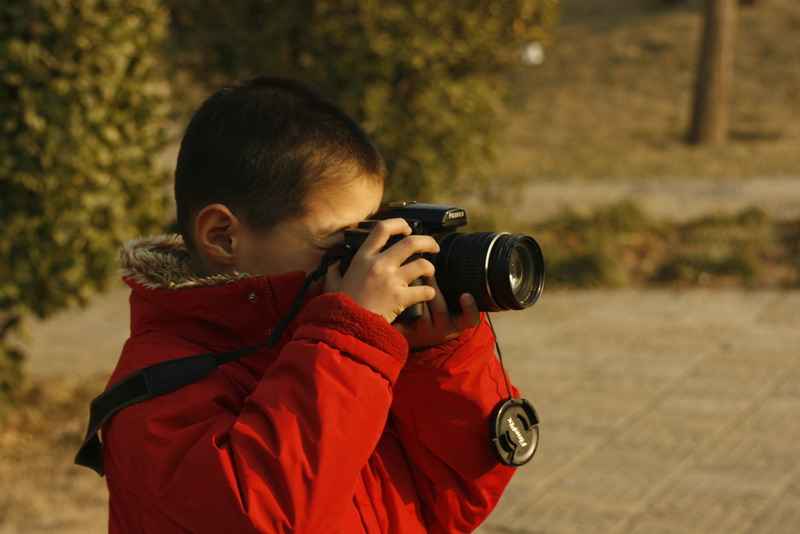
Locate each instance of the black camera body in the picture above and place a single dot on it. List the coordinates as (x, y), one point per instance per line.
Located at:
(502, 271)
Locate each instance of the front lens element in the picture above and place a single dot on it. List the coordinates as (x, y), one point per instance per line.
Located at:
(521, 272)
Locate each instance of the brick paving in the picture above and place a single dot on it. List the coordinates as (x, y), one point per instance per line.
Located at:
(661, 412)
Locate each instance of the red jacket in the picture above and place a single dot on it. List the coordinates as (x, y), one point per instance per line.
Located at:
(338, 429)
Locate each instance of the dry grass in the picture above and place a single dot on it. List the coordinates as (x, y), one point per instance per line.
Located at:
(613, 98)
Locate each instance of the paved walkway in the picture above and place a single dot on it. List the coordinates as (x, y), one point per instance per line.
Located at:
(674, 412)
(662, 411)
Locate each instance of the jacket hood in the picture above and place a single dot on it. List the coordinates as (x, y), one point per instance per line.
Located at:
(163, 262)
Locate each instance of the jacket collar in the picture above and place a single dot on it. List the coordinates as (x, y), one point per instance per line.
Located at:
(162, 262)
(168, 296)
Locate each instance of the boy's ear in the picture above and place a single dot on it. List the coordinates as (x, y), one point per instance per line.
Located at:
(215, 229)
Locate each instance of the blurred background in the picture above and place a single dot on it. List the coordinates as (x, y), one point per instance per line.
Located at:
(652, 147)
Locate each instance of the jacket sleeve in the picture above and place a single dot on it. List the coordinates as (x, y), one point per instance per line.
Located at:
(286, 458)
(442, 404)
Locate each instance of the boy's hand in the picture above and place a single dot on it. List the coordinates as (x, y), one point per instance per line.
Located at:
(437, 325)
(378, 280)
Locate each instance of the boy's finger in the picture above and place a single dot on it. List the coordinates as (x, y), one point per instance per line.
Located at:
(379, 235)
(416, 294)
(408, 246)
(419, 268)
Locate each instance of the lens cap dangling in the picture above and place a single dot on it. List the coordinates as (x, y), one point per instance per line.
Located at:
(515, 432)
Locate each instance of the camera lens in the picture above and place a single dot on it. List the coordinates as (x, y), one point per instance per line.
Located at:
(502, 271)
(514, 275)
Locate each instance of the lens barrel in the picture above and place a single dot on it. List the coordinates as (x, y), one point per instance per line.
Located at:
(502, 271)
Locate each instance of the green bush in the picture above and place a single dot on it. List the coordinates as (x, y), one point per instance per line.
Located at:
(423, 76)
(82, 116)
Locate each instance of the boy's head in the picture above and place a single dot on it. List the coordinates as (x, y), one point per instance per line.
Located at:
(267, 151)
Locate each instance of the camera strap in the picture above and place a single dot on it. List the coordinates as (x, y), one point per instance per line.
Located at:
(514, 426)
(170, 375)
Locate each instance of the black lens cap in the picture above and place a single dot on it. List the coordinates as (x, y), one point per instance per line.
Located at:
(515, 431)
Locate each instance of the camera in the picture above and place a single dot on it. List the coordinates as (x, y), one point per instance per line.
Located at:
(502, 271)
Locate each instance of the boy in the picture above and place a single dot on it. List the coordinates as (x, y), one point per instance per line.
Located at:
(339, 428)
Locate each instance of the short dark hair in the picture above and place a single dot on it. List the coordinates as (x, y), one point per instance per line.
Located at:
(259, 146)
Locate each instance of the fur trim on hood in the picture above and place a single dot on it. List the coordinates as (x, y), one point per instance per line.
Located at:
(162, 262)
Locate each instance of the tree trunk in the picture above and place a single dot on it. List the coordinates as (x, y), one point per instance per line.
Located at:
(714, 73)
